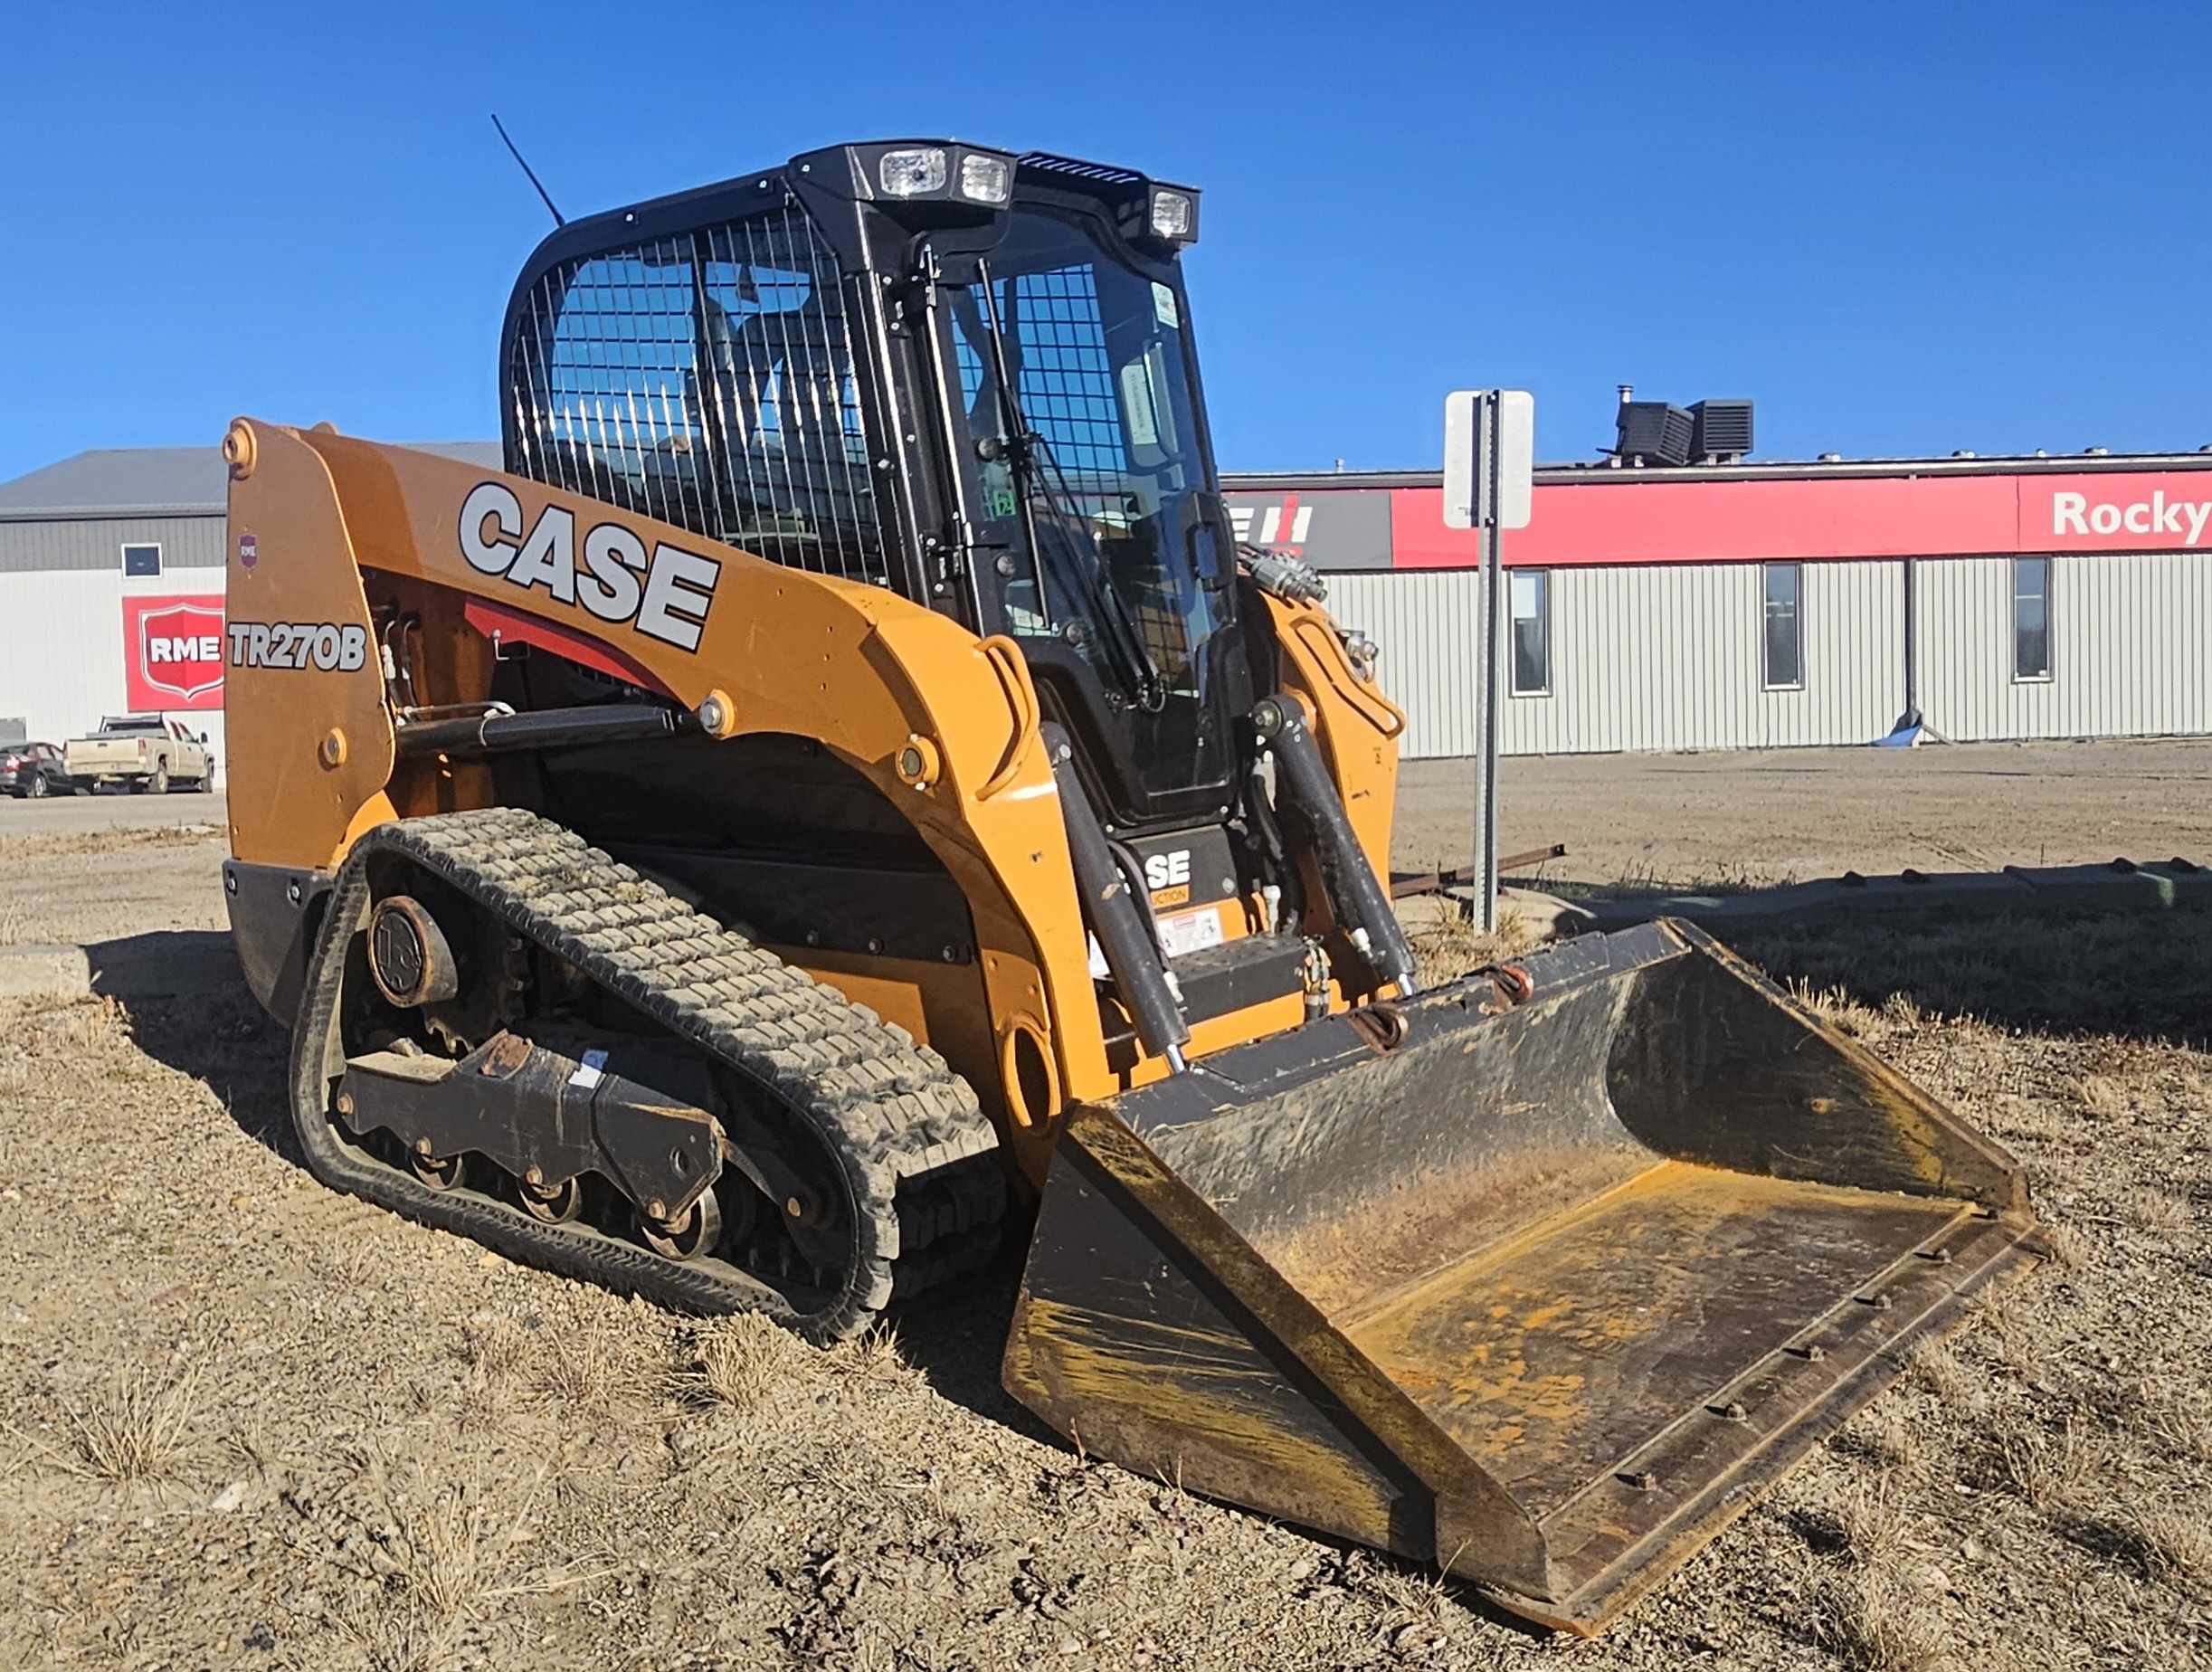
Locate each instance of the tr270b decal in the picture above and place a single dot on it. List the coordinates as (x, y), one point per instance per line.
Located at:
(325, 645)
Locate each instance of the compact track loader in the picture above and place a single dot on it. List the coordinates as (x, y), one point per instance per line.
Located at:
(841, 792)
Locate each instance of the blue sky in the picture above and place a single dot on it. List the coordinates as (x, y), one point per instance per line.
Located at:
(1901, 228)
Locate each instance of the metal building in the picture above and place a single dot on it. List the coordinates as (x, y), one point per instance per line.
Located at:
(1752, 605)
(1741, 605)
(112, 576)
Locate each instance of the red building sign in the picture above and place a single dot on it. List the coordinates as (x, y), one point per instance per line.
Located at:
(1753, 514)
(173, 652)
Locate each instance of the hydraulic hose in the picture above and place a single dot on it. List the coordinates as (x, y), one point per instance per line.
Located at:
(1354, 894)
(1131, 954)
(541, 728)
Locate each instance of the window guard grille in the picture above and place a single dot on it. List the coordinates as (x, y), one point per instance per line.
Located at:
(764, 447)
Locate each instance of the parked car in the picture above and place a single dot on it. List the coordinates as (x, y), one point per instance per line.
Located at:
(143, 751)
(33, 769)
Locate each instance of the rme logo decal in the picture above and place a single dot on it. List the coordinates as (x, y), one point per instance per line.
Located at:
(2071, 513)
(161, 647)
(325, 645)
(666, 596)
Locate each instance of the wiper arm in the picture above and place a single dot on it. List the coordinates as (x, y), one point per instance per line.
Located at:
(1027, 448)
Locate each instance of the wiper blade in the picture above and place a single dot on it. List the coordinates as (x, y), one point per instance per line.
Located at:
(1026, 449)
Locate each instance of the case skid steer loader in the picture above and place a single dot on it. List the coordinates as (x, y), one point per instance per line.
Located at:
(841, 792)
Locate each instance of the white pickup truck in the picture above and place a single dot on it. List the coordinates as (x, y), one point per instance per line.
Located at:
(143, 751)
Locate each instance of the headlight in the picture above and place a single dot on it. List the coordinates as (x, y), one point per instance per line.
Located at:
(1172, 214)
(913, 172)
(984, 179)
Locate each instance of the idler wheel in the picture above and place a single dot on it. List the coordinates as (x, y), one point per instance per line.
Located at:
(691, 1236)
(556, 1204)
(438, 1172)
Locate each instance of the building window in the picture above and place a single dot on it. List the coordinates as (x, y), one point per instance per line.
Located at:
(1532, 631)
(142, 560)
(2031, 618)
(1782, 661)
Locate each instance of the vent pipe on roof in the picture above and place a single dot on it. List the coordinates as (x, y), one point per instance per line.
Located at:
(1628, 393)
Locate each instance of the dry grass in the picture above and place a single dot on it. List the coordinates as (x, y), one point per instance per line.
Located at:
(440, 1555)
(2178, 1418)
(451, 1554)
(1834, 1005)
(872, 1363)
(740, 1361)
(1886, 1437)
(1901, 1010)
(797, 1506)
(2068, 1246)
(2158, 1211)
(1868, 1618)
(136, 1430)
(1935, 1366)
(1447, 946)
(2050, 1471)
(1424, 1608)
(2101, 1096)
(2120, 976)
(587, 1368)
(2019, 1342)
(2177, 1539)
(1869, 1514)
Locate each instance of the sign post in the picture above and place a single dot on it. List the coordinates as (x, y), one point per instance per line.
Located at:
(1489, 460)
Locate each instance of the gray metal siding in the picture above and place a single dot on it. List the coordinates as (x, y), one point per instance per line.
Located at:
(37, 546)
(61, 644)
(2128, 648)
(1663, 657)
(61, 649)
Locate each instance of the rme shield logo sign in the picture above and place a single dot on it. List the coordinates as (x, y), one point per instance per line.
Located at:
(665, 595)
(177, 653)
(2164, 520)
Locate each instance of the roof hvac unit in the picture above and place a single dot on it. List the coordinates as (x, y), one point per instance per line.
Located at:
(1654, 432)
(1720, 431)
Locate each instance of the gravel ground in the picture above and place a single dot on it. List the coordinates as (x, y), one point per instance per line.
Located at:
(246, 1422)
(1784, 815)
(107, 883)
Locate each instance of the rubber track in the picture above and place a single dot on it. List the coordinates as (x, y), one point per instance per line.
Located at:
(925, 1188)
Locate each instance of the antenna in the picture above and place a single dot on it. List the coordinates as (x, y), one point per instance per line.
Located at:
(558, 218)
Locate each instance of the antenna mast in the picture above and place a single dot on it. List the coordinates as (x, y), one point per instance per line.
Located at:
(558, 218)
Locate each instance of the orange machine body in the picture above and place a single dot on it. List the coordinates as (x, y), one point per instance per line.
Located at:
(333, 540)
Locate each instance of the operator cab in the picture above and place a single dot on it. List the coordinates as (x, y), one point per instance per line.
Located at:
(957, 373)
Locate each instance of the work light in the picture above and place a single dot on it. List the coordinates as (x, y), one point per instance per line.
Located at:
(914, 172)
(1174, 216)
(984, 179)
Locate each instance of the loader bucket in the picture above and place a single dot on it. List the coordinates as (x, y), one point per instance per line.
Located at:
(1542, 1293)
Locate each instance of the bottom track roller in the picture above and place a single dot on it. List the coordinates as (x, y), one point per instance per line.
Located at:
(506, 1033)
